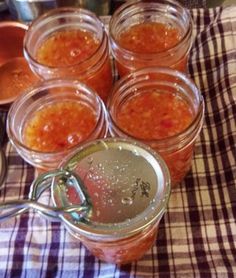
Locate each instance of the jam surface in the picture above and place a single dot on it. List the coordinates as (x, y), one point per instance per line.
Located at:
(66, 48)
(154, 116)
(149, 37)
(59, 126)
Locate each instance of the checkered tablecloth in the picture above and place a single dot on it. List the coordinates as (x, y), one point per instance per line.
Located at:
(197, 236)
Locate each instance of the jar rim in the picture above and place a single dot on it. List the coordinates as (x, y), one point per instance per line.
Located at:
(152, 55)
(58, 13)
(183, 138)
(36, 90)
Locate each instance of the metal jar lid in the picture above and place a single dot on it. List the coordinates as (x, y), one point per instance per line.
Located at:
(128, 185)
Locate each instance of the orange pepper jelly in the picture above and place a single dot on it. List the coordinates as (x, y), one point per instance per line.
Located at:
(158, 116)
(59, 126)
(70, 48)
(153, 115)
(66, 48)
(150, 38)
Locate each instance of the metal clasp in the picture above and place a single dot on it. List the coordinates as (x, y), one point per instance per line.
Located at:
(42, 183)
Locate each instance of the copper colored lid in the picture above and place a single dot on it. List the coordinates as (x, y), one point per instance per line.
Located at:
(11, 38)
(15, 78)
(15, 74)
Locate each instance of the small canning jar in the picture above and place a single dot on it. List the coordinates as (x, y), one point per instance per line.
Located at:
(70, 43)
(129, 186)
(150, 33)
(110, 194)
(53, 118)
(162, 108)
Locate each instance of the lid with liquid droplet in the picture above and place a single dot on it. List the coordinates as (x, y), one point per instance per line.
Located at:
(128, 183)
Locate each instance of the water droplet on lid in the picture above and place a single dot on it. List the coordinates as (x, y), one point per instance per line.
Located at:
(122, 169)
(127, 201)
(90, 160)
(95, 178)
(89, 176)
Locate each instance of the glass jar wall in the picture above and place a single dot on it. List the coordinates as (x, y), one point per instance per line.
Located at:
(150, 33)
(162, 108)
(70, 43)
(53, 118)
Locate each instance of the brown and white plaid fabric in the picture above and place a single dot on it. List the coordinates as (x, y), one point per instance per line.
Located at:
(197, 237)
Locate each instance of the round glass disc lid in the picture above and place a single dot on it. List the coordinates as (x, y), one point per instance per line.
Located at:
(128, 185)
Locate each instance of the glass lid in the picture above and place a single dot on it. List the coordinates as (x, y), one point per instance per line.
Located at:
(128, 185)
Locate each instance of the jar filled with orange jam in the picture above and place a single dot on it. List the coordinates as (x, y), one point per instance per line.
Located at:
(110, 194)
(53, 118)
(162, 108)
(70, 43)
(148, 33)
(128, 185)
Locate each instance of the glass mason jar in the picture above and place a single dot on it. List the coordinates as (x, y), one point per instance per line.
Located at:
(129, 187)
(70, 43)
(53, 118)
(110, 194)
(149, 33)
(162, 108)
